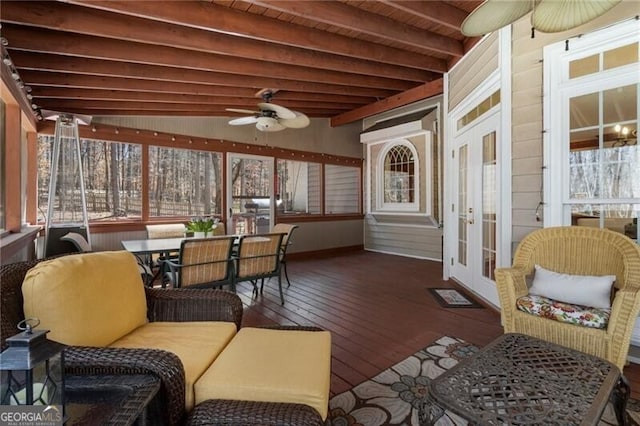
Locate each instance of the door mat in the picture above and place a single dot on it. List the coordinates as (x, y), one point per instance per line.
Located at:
(452, 298)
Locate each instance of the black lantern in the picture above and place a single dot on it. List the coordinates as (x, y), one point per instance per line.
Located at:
(32, 368)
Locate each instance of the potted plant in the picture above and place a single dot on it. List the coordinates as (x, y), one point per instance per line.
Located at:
(202, 226)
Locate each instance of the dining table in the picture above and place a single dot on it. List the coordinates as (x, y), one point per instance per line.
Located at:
(143, 249)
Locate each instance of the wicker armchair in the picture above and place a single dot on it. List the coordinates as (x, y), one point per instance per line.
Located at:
(163, 305)
(577, 251)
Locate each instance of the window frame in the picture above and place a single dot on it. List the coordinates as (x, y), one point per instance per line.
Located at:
(559, 89)
(148, 138)
(381, 205)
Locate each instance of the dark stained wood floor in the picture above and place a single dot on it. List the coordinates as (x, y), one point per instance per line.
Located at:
(378, 311)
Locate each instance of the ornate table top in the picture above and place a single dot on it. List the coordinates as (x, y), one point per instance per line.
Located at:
(519, 379)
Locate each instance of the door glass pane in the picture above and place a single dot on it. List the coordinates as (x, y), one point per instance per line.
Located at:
(584, 111)
(622, 218)
(584, 66)
(489, 205)
(251, 184)
(462, 205)
(620, 104)
(621, 56)
(604, 160)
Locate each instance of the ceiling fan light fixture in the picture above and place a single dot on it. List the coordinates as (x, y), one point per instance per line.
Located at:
(269, 124)
(551, 16)
(493, 15)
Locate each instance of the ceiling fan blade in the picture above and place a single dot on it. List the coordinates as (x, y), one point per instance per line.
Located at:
(493, 15)
(556, 16)
(243, 111)
(299, 122)
(243, 120)
(281, 111)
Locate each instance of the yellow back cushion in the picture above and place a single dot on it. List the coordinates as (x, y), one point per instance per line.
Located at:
(88, 299)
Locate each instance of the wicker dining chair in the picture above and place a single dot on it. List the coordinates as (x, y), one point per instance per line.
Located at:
(583, 251)
(202, 263)
(286, 242)
(258, 258)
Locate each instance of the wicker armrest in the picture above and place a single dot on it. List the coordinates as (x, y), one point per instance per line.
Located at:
(82, 360)
(513, 280)
(184, 304)
(230, 413)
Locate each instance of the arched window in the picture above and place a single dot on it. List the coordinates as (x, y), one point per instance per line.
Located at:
(399, 175)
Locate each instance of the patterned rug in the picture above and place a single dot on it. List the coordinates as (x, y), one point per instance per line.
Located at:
(393, 396)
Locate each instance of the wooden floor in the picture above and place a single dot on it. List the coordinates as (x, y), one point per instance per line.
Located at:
(378, 311)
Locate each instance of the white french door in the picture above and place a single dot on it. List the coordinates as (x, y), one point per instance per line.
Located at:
(250, 194)
(475, 207)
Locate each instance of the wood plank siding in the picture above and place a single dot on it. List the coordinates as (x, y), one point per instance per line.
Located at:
(473, 69)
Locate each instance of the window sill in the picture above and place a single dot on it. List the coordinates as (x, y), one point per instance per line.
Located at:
(13, 242)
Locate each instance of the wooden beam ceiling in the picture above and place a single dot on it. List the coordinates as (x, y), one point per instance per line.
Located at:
(342, 58)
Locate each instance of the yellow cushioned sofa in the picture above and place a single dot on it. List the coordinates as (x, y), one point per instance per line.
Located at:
(97, 303)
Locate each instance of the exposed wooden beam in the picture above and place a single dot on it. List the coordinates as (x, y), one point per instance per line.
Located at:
(168, 113)
(436, 11)
(213, 17)
(156, 76)
(33, 39)
(425, 91)
(354, 19)
(66, 17)
(205, 109)
(142, 100)
(232, 99)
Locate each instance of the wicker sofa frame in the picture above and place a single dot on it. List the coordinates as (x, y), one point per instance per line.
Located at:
(162, 305)
(577, 250)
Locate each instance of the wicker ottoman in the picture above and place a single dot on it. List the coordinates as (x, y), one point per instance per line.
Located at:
(284, 368)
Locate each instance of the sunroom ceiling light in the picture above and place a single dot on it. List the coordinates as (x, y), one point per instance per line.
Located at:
(548, 16)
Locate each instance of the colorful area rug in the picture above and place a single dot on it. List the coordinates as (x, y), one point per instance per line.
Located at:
(393, 396)
(452, 298)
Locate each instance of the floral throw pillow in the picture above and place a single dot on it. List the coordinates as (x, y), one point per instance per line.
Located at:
(564, 312)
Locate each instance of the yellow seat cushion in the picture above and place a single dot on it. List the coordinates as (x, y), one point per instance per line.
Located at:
(88, 299)
(197, 344)
(271, 366)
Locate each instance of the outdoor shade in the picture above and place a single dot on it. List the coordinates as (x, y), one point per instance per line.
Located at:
(493, 15)
(548, 15)
(552, 16)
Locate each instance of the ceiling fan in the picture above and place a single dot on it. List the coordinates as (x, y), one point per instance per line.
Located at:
(271, 117)
(549, 16)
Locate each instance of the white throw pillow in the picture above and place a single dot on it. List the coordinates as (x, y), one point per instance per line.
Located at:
(583, 290)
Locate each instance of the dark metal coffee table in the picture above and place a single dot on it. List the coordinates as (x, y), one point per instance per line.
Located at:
(109, 399)
(522, 380)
